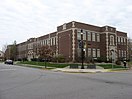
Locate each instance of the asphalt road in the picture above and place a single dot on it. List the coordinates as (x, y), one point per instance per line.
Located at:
(27, 83)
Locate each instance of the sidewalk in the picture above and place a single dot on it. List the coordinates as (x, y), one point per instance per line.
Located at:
(69, 70)
(80, 70)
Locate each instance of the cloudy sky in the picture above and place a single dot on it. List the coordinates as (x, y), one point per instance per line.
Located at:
(23, 19)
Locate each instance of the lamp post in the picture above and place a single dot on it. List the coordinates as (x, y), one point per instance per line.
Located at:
(82, 47)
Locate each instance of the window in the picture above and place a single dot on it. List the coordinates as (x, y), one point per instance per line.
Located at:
(98, 37)
(124, 53)
(41, 43)
(93, 36)
(54, 40)
(44, 42)
(48, 41)
(119, 53)
(98, 52)
(84, 35)
(64, 26)
(51, 41)
(121, 40)
(118, 40)
(89, 36)
(89, 52)
(111, 40)
(94, 52)
(79, 36)
(124, 41)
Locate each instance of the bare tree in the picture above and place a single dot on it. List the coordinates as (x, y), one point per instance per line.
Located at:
(10, 51)
(4, 48)
(13, 51)
(130, 49)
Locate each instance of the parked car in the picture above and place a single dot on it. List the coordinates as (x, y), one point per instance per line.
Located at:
(9, 62)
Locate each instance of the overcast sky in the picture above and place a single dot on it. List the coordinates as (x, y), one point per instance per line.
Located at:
(23, 19)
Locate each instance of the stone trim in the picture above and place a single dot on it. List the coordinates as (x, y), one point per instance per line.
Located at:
(73, 24)
(73, 44)
(107, 47)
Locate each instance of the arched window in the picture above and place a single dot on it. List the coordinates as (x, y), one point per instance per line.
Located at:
(111, 40)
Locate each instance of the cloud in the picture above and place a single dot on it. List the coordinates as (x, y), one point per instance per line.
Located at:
(22, 19)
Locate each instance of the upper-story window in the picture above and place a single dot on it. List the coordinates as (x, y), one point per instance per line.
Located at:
(54, 42)
(125, 53)
(89, 36)
(124, 41)
(111, 40)
(98, 37)
(78, 35)
(51, 42)
(30, 46)
(46, 42)
(118, 38)
(84, 35)
(93, 36)
(121, 40)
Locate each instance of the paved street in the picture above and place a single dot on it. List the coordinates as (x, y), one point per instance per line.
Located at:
(28, 83)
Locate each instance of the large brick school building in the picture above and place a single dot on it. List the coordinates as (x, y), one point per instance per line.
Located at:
(100, 42)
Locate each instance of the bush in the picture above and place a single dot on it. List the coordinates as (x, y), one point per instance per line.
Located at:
(59, 58)
(25, 59)
(118, 62)
(19, 59)
(101, 59)
(34, 59)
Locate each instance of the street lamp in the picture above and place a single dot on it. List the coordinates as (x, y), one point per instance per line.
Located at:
(82, 47)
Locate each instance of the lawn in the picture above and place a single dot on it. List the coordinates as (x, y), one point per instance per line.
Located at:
(63, 65)
(47, 64)
(109, 66)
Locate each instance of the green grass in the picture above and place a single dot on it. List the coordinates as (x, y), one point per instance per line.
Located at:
(62, 65)
(109, 66)
(43, 64)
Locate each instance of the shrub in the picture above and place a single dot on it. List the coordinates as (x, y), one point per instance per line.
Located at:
(118, 62)
(34, 59)
(59, 58)
(101, 59)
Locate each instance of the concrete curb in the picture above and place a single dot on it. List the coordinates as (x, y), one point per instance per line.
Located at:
(73, 70)
(81, 70)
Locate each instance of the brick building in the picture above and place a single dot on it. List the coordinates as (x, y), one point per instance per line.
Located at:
(100, 42)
